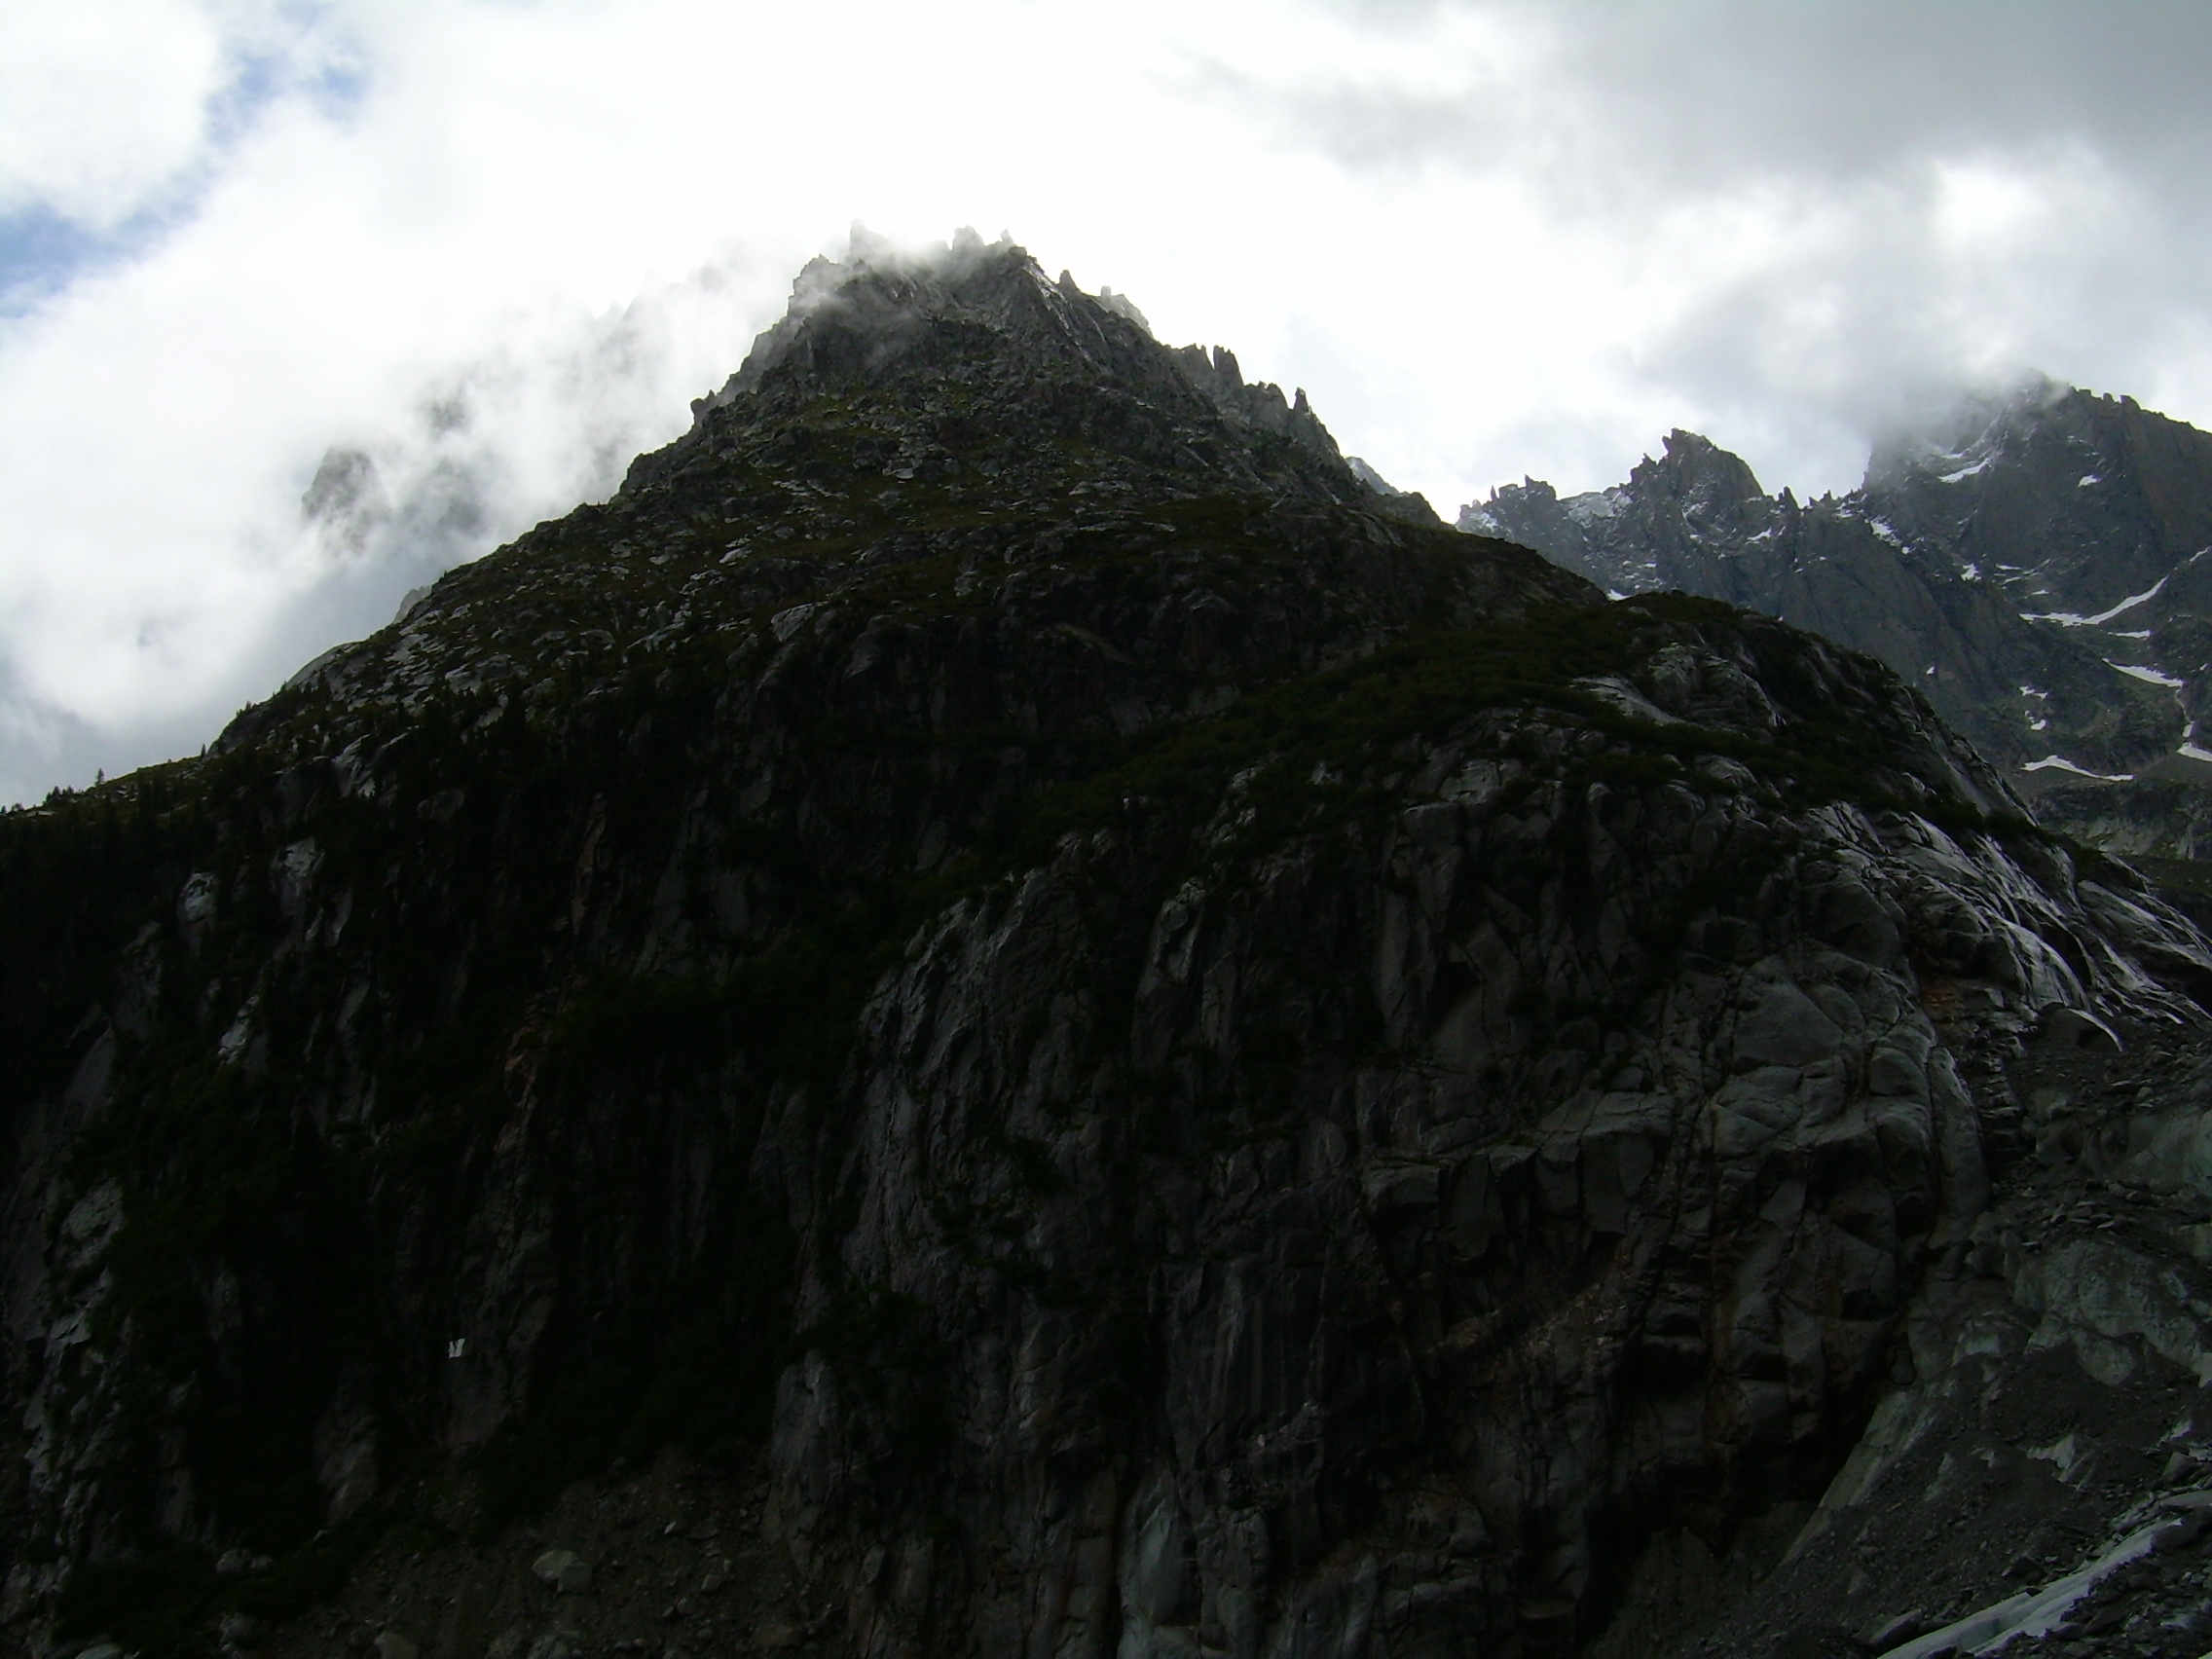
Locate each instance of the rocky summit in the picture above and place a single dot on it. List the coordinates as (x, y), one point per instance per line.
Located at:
(1006, 1011)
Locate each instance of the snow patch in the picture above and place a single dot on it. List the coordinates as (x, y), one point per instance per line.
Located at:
(2087, 479)
(1598, 504)
(2149, 675)
(2032, 1613)
(2068, 620)
(2190, 752)
(2061, 763)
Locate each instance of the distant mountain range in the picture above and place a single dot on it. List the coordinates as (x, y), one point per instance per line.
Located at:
(2037, 564)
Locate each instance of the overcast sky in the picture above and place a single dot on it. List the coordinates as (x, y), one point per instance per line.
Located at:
(495, 248)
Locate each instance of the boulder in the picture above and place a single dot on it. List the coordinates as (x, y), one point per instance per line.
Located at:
(565, 1570)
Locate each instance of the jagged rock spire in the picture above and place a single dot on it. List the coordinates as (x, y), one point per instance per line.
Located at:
(984, 314)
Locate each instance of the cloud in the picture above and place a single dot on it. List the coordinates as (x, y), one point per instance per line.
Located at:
(443, 269)
(115, 115)
(1823, 218)
(282, 514)
(99, 105)
(1628, 100)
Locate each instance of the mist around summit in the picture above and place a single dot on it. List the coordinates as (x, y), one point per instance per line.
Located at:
(1490, 238)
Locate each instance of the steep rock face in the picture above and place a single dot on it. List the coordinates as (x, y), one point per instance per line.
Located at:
(2042, 1477)
(1207, 1067)
(1402, 1346)
(2106, 498)
(2033, 564)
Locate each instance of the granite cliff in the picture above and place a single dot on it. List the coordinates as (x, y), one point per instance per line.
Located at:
(1001, 1011)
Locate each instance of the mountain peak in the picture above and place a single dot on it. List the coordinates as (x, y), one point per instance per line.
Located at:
(1956, 442)
(981, 324)
(2082, 500)
(864, 315)
(1698, 474)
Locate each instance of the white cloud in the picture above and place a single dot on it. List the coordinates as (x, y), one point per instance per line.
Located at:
(1489, 237)
(102, 104)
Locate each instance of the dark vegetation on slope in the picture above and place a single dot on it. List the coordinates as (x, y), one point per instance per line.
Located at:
(221, 1163)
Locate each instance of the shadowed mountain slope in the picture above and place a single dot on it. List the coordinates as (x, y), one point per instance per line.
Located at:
(1129, 1052)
